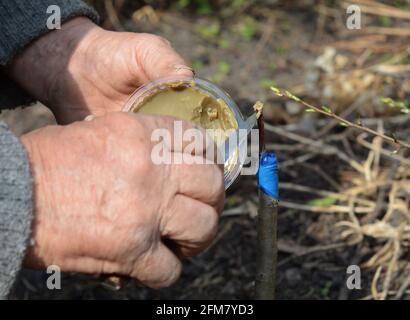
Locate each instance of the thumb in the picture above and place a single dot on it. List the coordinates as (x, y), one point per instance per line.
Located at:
(158, 59)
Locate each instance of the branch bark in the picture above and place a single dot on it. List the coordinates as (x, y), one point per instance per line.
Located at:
(267, 247)
(266, 260)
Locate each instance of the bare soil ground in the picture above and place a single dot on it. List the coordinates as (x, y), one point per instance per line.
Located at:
(302, 46)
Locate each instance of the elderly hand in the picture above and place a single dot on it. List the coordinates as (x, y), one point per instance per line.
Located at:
(103, 206)
(83, 69)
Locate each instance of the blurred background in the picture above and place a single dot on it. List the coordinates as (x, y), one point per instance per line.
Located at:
(344, 194)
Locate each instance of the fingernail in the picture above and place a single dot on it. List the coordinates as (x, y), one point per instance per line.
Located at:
(180, 68)
(89, 117)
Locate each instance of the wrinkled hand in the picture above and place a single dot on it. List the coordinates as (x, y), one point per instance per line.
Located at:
(103, 206)
(83, 69)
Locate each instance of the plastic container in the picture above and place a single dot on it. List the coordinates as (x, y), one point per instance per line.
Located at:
(232, 167)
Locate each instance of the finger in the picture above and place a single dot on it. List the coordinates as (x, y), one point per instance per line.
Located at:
(203, 182)
(158, 59)
(158, 269)
(182, 136)
(190, 224)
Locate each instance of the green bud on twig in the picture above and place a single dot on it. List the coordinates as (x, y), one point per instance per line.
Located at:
(277, 91)
(327, 109)
(292, 96)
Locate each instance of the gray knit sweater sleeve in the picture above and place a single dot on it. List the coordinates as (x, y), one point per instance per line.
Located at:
(15, 207)
(22, 21)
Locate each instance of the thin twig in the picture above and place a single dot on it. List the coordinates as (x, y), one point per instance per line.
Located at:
(361, 140)
(362, 98)
(316, 249)
(390, 269)
(374, 291)
(319, 146)
(324, 209)
(325, 193)
(380, 9)
(400, 32)
(112, 15)
(403, 288)
(329, 113)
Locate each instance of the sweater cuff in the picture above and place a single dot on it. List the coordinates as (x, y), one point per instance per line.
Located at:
(16, 207)
(22, 22)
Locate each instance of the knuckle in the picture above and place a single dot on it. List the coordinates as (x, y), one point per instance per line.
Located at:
(142, 161)
(217, 189)
(171, 271)
(175, 271)
(154, 39)
(120, 120)
(132, 137)
(209, 227)
(163, 41)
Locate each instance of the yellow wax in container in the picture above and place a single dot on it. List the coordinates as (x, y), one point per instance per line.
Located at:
(190, 103)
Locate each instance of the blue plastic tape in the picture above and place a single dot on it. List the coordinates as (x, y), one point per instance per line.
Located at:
(268, 175)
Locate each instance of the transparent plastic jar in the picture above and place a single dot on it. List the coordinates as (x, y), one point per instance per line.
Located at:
(232, 167)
